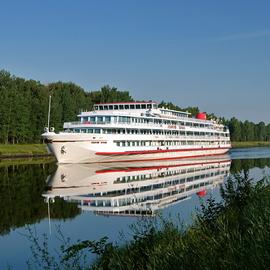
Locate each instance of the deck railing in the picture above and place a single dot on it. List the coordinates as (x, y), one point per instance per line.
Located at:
(112, 124)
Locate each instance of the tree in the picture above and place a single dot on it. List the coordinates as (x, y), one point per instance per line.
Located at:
(235, 129)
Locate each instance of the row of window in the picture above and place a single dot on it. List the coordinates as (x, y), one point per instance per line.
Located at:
(129, 119)
(138, 106)
(145, 132)
(143, 177)
(167, 143)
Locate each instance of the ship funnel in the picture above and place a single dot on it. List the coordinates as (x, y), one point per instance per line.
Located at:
(201, 116)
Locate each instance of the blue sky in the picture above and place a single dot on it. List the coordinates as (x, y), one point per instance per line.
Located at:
(211, 54)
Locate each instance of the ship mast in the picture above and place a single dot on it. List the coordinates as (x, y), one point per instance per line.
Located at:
(49, 112)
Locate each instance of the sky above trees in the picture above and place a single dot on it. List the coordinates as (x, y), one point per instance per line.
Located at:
(210, 54)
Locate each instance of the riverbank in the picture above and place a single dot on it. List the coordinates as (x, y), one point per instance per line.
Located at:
(250, 144)
(22, 150)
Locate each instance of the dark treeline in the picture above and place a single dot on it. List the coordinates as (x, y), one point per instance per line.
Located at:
(24, 107)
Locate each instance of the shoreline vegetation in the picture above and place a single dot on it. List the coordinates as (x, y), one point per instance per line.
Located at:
(229, 234)
(250, 144)
(24, 109)
(8, 151)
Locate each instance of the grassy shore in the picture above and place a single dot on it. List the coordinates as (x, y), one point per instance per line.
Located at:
(250, 144)
(18, 150)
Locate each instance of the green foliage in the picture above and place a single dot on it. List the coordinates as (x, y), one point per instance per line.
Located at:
(24, 105)
(21, 149)
(231, 234)
(108, 94)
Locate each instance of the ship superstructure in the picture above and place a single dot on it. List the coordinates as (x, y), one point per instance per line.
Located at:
(134, 131)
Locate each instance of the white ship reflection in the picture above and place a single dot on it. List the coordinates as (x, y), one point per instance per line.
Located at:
(140, 188)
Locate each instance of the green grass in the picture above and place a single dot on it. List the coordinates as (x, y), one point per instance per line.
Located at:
(250, 144)
(26, 161)
(22, 149)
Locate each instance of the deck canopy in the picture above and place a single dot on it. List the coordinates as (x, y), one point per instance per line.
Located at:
(137, 105)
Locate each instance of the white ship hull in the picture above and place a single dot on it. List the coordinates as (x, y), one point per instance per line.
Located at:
(102, 149)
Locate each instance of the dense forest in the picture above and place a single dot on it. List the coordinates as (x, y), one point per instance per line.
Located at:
(24, 105)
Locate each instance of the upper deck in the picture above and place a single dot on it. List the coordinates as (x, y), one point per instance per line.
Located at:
(149, 108)
(145, 115)
(133, 105)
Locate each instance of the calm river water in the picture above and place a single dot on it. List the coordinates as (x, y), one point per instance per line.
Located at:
(89, 202)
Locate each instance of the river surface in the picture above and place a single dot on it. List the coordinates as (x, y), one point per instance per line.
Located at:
(93, 201)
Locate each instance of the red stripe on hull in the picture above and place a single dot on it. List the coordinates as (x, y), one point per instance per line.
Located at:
(158, 151)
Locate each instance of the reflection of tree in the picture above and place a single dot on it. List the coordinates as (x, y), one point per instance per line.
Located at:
(247, 164)
(21, 187)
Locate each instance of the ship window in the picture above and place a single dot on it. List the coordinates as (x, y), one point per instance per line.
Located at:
(96, 108)
(107, 119)
(116, 107)
(90, 130)
(118, 143)
(99, 118)
(126, 106)
(149, 106)
(77, 130)
(97, 130)
(92, 119)
(138, 106)
(143, 106)
(132, 106)
(100, 108)
(121, 107)
(110, 107)
(105, 107)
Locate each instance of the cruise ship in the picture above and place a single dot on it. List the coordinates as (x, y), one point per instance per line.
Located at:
(139, 189)
(136, 131)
